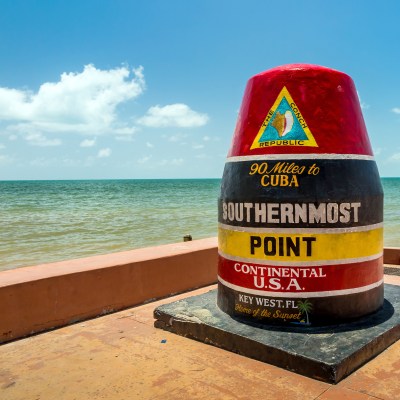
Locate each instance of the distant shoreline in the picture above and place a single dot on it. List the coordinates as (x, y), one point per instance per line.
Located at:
(129, 179)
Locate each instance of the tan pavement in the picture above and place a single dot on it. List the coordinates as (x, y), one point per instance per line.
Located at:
(122, 356)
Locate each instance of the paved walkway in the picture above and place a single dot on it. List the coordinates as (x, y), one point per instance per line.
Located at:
(122, 356)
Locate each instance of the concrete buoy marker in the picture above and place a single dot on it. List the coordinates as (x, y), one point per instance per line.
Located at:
(301, 204)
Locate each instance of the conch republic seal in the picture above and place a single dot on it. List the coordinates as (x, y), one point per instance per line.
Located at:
(301, 205)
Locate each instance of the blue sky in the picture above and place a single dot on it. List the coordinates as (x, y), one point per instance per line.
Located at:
(93, 89)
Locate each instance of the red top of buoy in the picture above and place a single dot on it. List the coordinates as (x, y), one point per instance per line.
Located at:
(300, 109)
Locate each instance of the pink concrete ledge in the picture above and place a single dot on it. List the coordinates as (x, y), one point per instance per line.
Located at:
(391, 255)
(42, 297)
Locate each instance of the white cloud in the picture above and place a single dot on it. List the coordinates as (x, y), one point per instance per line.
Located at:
(396, 110)
(88, 143)
(5, 159)
(198, 146)
(80, 102)
(363, 105)
(395, 157)
(144, 159)
(175, 138)
(103, 153)
(12, 137)
(127, 130)
(149, 145)
(125, 134)
(173, 115)
(209, 138)
(2, 146)
(37, 139)
(71, 162)
(177, 161)
(89, 161)
(174, 162)
(42, 162)
(124, 138)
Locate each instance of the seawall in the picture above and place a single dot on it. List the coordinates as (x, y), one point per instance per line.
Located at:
(43, 297)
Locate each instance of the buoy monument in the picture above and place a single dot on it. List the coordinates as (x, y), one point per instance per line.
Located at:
(301, 204)
(300, 237)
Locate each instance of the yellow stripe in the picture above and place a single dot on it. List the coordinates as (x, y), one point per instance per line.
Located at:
(311, 247)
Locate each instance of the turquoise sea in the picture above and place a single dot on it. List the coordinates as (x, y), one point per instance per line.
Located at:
(45, 221)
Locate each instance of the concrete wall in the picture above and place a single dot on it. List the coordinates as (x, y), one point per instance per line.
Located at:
(47, 296)
(42, 297)
(391, 255)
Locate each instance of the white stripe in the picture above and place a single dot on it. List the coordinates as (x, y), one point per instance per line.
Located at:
(352, 229)
(313, 156)
(300, 263)
(300, 294)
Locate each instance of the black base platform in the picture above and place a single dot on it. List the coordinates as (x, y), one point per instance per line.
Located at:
(325, 353)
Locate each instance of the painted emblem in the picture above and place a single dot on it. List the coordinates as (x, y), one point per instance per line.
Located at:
(284, 125)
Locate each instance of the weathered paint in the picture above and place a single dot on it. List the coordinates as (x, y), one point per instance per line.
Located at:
(301, 205)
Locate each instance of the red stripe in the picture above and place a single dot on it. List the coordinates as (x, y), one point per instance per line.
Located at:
(327, 100)
(309, 279)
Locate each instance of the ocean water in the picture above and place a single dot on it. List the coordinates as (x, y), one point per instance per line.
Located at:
(45, 221)
(391, 190)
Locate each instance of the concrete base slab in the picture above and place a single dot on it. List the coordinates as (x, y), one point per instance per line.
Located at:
(325, 353)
